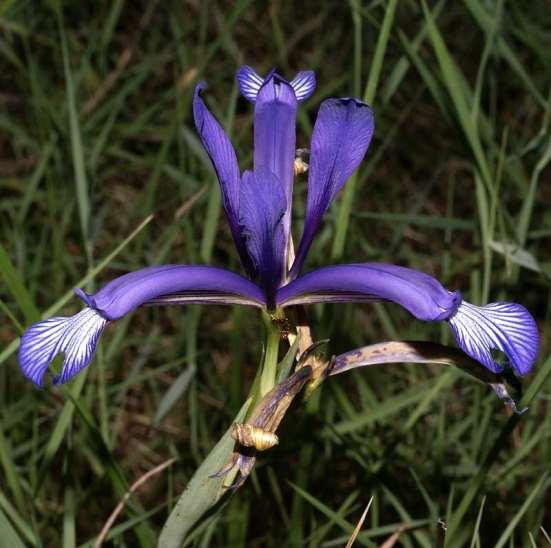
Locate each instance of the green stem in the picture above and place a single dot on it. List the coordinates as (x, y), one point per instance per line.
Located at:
(269, 367)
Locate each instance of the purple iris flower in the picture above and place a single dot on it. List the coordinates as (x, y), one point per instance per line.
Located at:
(258, 206)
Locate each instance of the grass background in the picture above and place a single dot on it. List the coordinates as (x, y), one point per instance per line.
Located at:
(96, 135)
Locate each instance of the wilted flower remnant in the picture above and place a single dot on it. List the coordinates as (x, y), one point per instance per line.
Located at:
(258, 206)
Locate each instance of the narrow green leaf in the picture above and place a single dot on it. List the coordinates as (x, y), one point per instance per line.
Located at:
(12, 279)
(475, 537)
(8, 535)
(455, 83)
(81, 181)
(10, 473)
(69, 533)
(376, 66)
(21, 525)
(380, 50)
(518, 516)
(175, 392)
(202, 493)
(456, 519)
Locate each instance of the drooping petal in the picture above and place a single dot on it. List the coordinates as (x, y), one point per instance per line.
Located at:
(420, 294)
(407, 352)
(340, 139)
(507, 327)
(275, 111)
(263, 205)
(77, 336)
(224, 160)
(304, 84)
(174, 284)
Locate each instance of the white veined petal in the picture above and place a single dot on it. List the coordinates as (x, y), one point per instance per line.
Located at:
(508, 327)
(304, 84)
(249, 82)
(76, 337)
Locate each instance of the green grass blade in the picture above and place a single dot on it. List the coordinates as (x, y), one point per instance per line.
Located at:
(455, 84)
(536, 491)
(10, 472)
(21, 525)
(8, 535)
(69, 532)
(16, 287)
(349, 191)
(77, 150)
(454, 525)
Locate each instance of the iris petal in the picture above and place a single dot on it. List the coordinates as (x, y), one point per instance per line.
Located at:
(420, 294)
(304, 84)
(224, 161)
(76, 337)
(341, 137)
(249, 82)
(275, 112)
(167, 284)
(508, 327)
(263, 206)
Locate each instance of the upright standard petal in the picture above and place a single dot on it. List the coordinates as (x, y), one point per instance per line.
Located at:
(76, 336)
(303, 84)
(275, 112)
(263, 205)
(341, 136)
(507, 327)
(224, 160)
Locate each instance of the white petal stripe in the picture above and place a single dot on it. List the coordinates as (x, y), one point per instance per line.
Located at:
(76, 337)
(508, 327)
(249, 83)
(304, 84)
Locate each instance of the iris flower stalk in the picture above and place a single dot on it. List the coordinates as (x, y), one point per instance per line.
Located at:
(258, 206)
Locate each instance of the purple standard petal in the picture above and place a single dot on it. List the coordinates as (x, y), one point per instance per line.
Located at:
(303, 84)
(341, 136)
(507, 327)
(275, 112)
(224, 160)
(262, 208)
(77, 336)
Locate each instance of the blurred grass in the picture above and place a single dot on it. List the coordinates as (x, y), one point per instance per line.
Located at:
(96, 134)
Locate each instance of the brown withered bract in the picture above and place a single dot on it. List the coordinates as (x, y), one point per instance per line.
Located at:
(253, 436)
